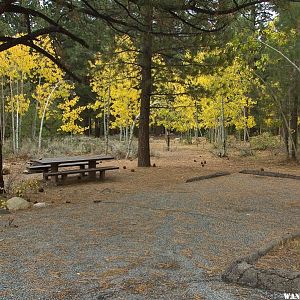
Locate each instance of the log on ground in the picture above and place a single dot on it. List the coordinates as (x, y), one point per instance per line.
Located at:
(218, 174)
(270, 174)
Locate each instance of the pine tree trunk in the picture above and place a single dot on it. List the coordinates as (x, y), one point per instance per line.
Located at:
(146, 88)
(97, 128)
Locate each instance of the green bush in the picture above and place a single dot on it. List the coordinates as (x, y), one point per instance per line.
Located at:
(264, 141)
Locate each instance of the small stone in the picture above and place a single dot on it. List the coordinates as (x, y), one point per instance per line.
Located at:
(41, 189)
(195, 160)
(262, 169)
(124, 167)
(68, 201)
(106, 191)
(202, 165)
(132, 170)
(154, 165)
(204, 162)
(97, 201)
(40, 205)
(17, 203)
(4, 211)
(5, 171)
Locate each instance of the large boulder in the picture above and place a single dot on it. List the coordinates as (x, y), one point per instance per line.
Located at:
(17, 203)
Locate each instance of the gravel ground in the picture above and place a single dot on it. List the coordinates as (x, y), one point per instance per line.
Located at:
(164, 244)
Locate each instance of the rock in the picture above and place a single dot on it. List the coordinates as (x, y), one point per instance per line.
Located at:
(124, 167)
(17, 203)
(40, 205)
(132, 170)
(41, 189)
(4, 211)
(5, 171)
(106, 191)
(235, 271)
(249, 278)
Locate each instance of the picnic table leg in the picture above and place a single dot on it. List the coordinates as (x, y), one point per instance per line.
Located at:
(82, 167)
(92, 164)
(102, 175)
(54, 168)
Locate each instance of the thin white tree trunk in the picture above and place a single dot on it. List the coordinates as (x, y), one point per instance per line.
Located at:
(43, 115)
(17, 118)
(223, 134)
(107, 121)
(196, 121)
(12, 116)
(129, 145)
(120, 134)
(2, 117)
(126, 134)
(283, 55)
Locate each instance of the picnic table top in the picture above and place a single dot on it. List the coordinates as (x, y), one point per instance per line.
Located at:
(61, 160)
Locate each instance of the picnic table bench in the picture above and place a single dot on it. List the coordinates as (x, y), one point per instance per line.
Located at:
(82, 172)
(36, 168)
(88, 166)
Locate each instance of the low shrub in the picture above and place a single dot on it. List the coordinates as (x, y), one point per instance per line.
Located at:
(71, 145)
(265, 141)
(24, 187)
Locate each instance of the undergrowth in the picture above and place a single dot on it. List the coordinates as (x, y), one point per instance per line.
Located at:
(70, 145)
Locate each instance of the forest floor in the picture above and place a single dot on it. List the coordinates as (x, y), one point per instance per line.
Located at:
(147, 234)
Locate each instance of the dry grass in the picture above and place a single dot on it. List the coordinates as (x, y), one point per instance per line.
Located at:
(286, 257)
(69, 145)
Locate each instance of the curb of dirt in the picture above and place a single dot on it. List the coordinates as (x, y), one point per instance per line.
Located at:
(244, 272)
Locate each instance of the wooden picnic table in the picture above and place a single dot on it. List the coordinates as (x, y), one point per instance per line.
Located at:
(56, 162)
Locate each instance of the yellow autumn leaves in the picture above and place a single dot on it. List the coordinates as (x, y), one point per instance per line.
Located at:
(30, 79)
(178, 102)
(116, 83)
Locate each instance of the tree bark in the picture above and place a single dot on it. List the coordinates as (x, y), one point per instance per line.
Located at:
(97, 128)
(146, 88)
